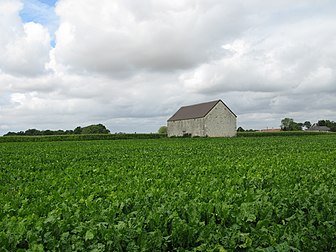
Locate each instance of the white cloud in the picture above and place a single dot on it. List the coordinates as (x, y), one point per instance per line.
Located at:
(290, 57)
(118, 38)
(40, 12)
(24, 48)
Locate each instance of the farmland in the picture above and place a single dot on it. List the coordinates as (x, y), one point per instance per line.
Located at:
(236, 194)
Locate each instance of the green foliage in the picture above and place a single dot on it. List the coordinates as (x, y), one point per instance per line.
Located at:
(328, 123)
(95, 129)
(35, 132)
(91, 129)
(240, 129)
(78, 130)
(163, 130)
(307, 124)
(227, 194)
(288, 124)
(79, 137)
(281, 133)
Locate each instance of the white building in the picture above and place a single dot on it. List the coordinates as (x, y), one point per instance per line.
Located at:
(212, 119)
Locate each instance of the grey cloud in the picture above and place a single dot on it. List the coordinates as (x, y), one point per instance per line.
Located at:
(262, 110)
(291, 58)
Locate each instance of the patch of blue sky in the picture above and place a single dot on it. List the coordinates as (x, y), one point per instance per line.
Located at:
(42, 12)
(49, 2)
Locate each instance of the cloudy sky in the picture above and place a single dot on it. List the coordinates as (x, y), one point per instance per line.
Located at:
(131, 64)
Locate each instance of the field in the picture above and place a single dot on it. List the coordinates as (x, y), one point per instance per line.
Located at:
(238, 194)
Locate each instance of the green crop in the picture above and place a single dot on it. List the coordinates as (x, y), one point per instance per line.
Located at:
(237, 194)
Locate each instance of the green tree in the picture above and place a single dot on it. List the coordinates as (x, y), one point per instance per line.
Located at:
(47, 132)
(32, 132)
(307, 124)
(10, 133)
(328, 123)
(77, 130)
(163, 130)
(288, 124)
(95, 129)
(322, 123)
(240, 129)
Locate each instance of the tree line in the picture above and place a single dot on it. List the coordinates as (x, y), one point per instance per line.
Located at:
(288, 124)
(91, 129)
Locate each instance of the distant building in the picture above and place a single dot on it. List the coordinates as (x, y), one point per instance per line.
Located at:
(212, 119)
(316, 128)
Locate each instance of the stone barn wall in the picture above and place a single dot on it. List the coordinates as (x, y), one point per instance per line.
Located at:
(195, 127)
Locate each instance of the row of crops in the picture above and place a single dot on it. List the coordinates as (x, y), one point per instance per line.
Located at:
(237, 194)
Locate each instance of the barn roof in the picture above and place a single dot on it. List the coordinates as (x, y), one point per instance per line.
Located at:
(196, 111)
(318, 128)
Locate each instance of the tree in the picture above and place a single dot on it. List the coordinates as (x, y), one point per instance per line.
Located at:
(328, 123)
(95, 129)
(32, 132)
(163, 130)
(285, 123)
(322, 123)
(240, 129)
(10, 133)
(47, 132)
(307, 124)
(77, 130)
(288, 124)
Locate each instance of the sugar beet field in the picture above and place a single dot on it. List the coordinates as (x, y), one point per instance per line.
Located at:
(238, 194)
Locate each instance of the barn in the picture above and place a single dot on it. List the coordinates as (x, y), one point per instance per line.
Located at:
(316, 128)
(212, 119)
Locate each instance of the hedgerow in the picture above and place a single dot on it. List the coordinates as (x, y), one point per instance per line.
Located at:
(80, 137)
(282, 133)
(88, 137)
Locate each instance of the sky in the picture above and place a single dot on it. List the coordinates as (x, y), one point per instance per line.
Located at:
(131, 64)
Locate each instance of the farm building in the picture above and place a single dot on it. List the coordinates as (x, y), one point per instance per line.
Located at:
(316, 128)
(212, 119)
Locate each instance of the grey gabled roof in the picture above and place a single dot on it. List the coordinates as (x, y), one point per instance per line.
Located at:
(196, 111)
(318, 128)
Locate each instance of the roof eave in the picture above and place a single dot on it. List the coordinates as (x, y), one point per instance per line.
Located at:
(185, 119)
